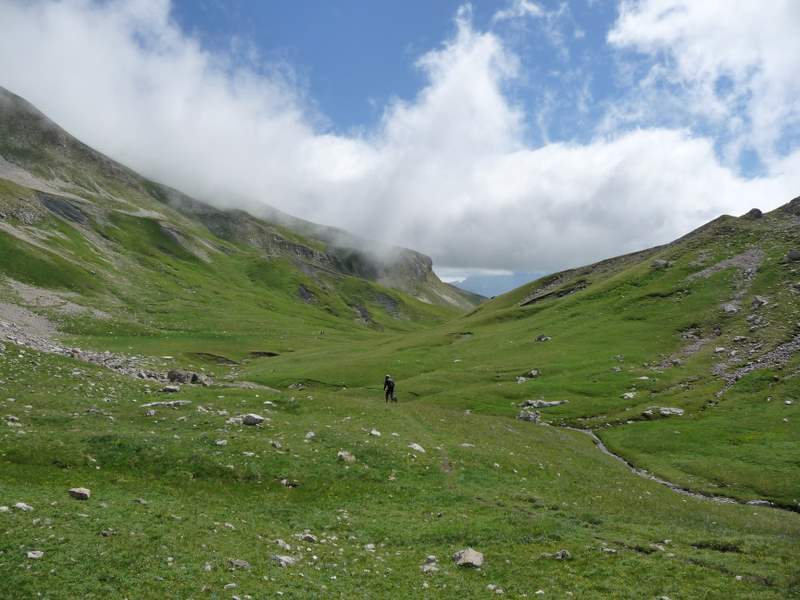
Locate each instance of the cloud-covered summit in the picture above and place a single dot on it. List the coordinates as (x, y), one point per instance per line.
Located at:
(453, 171)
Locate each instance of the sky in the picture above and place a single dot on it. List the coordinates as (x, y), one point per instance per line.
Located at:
(505, 139)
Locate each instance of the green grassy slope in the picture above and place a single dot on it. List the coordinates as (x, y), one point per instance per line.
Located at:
(179, 492)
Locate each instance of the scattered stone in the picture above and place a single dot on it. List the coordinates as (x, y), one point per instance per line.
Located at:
(660, 263)
(664, 411)
(543, 338)
(468, 558)
(788, 402)
(532, 374)
(23, 507)
(168, 404)
(35, 554)
(283, 545)
(493, 587)
(107, 532)
(252, 419)
(310, 436)
(542, 403)
(345, 456)
(171, 389)
(719, 350)
(792, 256)
(369, 548)
(521, 379)
(276, 444)
(759, 301)
(375, 433)
(80, 493)
(417, 448)
(430, 565)
(176, 376)
(290, 483)
(221, 443)
(529, 415)
(237, 563)
(629, 395)
(150, 412)
(284, 560)
(730, 308)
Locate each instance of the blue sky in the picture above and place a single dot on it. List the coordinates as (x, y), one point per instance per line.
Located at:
(355, 57)
(503, 139)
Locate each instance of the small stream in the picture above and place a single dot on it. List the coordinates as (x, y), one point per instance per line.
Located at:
(676, 488)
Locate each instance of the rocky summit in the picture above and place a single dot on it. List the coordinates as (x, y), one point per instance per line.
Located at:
(184, 388)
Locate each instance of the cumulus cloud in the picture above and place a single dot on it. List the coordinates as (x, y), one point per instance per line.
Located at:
(449, 172)
(734, 64)
(517, 9)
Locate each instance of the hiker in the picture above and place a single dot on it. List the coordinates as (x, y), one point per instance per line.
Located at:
(388, 387)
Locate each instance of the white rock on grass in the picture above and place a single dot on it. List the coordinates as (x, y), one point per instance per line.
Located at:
(345, 456)
(629, 395)
(430, 565)
(417, 448)
(80, 493)
(35, 554)
(238, 563)
(310, 436)
(307, 537)
(284, 560)
(375, 433)
(23, 507)
(283, 545)
(468, 557)
(252, 419)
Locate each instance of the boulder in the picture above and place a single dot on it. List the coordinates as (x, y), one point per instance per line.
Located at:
(468, 557)
(542, 403)
(284, 560)
(238, 563)
(792, 255)
(417, 448)
(430, 564)
(252, 419)
(80, 493)
(753, 214)
(375, 433)
(759, 301)
(345, 456)
(730, 308)
(23, 507)
(171, 389)
(529, 415)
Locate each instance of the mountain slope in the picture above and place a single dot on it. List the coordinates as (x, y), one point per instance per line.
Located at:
(281, 472)
(83, 188)
(708, 325)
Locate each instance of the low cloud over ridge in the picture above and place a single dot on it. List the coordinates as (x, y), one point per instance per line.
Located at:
(450, 172)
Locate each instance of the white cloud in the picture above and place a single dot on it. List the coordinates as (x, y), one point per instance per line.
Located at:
(449, 173)
(517, 9)
(726, 59)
